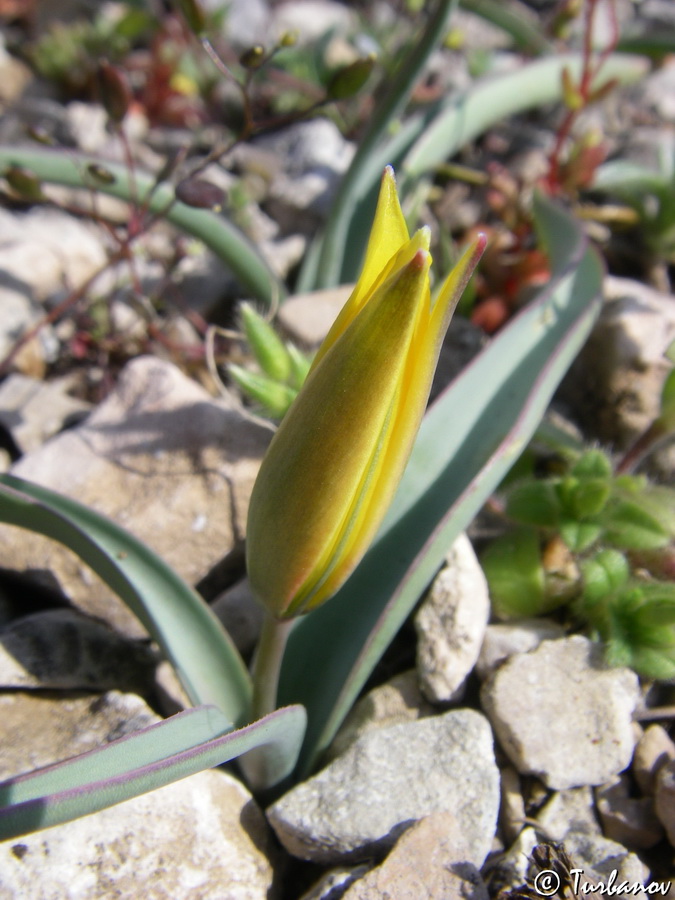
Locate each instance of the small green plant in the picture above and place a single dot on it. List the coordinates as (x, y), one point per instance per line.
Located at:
(593, 542)
(68, 54)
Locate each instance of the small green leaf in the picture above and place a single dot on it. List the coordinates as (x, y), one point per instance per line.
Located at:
(269, 350)
(534, 503)
(630, 527)
(618, 651)
(300, 366)
(640, 629)
(593, 464)
(604, 574)
(590, 497)
(565, 490)
(350, 79)
(273, 398)
(652, 663)
(659, 615)
(512, 566)
(579, 536)
(667, 414)
(659, 501)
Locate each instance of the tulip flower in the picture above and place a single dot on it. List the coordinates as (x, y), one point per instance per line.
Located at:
(334, 464)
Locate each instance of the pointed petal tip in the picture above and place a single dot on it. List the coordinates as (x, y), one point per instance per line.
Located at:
(474, 251)
(481, 243)
(420, 260)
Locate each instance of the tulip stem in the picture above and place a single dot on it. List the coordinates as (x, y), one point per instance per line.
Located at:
(267, 664)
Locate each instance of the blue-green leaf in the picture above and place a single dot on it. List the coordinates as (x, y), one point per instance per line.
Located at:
(190, 635)
(149, 759)
(499, 96)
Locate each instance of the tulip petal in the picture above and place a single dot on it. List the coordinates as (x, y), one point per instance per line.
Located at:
(428, 342)
(388, 235)
(330, 445)
(423, 356)
(332, 468)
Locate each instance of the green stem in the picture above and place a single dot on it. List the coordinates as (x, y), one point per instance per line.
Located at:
(267, 665)
(262, 764)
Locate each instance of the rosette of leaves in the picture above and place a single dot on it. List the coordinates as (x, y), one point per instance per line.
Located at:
(596, 541)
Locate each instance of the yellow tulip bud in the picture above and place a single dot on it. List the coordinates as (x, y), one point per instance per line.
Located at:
(332, 468)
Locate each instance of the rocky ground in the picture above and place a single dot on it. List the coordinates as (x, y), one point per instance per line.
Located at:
(483, 739)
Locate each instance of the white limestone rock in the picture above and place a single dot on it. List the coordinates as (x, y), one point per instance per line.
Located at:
(432, 859)
(654, 749)
(361, 802)
(62, 648)
(33, 410)
(570, 810)
(506, 638)
(561, 714)
(631, 821)
(451, 623)
(397, 700)
(201, 837)
(45, 249)
(599, 857)
(620, 372)
(162, 458)
(664, 799)
(307, 318)
(316, 155)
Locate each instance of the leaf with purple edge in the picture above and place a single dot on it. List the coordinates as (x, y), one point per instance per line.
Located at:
(190, 635)
(187, 743)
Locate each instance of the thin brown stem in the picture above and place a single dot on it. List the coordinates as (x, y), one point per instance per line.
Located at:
(59, 310)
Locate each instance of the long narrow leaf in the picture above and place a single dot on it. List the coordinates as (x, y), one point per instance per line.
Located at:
(226, 241)
(342, 224)
(497, 97)
(469, 439)
(180, 746)
(631, 180)
(190, 635)
(524, 29)
(425, 140)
